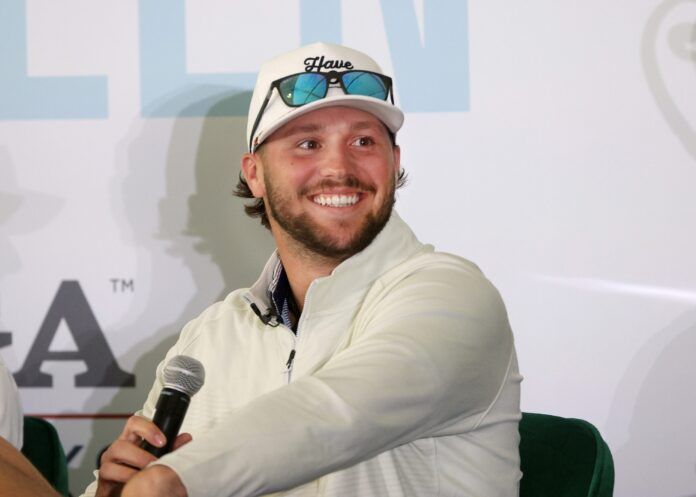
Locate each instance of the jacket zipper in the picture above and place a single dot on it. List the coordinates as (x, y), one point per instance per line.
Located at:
(296, 336)
(288, 365)
(291, 358)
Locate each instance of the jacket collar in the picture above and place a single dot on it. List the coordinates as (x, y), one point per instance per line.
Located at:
(350, 279)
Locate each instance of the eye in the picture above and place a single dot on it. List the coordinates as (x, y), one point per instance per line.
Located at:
(363, 141)
(308, 144)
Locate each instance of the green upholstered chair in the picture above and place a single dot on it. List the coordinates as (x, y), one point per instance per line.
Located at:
(563, 457)
(43, 449)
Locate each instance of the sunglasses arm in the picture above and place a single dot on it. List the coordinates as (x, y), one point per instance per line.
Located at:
(259, 116)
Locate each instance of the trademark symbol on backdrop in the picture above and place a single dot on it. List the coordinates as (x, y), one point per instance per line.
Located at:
(122, 285)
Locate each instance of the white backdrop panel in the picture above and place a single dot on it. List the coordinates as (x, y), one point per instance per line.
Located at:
(552, 144)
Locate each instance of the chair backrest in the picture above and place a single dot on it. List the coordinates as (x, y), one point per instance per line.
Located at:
(43, 449)
(563, 457)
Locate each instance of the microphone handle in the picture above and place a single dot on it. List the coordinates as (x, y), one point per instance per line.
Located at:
(169, 415)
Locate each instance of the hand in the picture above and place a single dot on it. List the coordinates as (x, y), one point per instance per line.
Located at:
(124, 458)
(155, 481)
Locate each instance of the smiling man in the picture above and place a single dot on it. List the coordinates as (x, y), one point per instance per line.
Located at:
(328, 180)
(362, 362)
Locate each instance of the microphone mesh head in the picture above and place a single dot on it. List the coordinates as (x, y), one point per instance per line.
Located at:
(184, 374)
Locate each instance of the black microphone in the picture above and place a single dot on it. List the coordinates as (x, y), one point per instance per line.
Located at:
(183, 377)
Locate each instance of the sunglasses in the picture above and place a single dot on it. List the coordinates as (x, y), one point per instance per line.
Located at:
(303, 88)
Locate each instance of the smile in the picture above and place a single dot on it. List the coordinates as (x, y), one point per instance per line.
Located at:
(336, 200)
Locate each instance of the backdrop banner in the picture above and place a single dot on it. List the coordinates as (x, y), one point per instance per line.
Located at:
(552, 144)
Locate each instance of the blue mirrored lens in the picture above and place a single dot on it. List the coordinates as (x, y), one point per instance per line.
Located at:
(364, 83)
(302, 89)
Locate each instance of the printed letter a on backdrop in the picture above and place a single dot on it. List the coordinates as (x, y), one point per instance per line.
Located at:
(70, 304)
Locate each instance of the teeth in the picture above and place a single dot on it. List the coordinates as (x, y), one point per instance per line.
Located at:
(336, 200)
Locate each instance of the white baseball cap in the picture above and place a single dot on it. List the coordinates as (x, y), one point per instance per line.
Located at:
(263, 120)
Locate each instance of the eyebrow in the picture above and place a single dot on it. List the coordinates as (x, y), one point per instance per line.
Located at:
(314, 128)
(364, 125)
(301, 128)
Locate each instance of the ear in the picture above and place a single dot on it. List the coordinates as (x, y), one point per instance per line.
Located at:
(397, 160)
(252, 169)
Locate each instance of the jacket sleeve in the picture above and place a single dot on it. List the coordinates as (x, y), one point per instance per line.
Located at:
(433, 354)
(11, 418)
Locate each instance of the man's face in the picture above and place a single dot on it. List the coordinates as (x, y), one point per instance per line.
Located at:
(327, 179)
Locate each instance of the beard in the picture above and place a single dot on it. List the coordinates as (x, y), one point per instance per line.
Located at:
(319, 240)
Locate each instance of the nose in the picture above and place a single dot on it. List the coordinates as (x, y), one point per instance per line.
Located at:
(337, 162)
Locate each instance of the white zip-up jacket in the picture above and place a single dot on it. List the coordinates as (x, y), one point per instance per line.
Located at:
(404, 383)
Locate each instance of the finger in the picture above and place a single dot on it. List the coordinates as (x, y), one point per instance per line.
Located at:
(125, 453)
(119, 473)
(138, 428)
(116, 473)
(182, 440)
